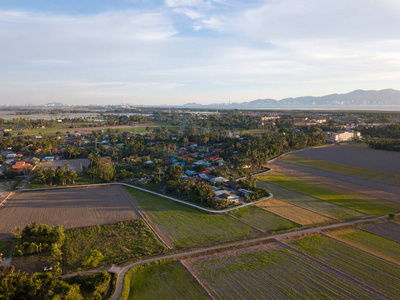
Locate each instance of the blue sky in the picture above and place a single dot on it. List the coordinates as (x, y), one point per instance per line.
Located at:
(206, 51)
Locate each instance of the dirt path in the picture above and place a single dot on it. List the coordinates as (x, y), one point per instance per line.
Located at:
(371, 188)
(282, 236)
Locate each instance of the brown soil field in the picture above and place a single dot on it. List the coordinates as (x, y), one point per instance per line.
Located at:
(389, 230)
(372, 191)
(380, 160)
(75, 164)
(71, 208)
(293, 213)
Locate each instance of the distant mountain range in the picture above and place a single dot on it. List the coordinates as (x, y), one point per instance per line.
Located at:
(355, 99)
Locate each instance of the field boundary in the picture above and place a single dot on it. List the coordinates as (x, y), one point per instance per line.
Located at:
(6, 198)
(148, 191)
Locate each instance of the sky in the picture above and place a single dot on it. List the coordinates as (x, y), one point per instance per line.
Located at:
(171, 52)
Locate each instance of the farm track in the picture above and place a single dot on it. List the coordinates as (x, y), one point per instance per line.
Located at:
(370, 188)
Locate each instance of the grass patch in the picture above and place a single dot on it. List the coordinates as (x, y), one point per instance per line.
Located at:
(370, 242)
(273, 274)
(117, 242)
(328, 195)
(263, 219)
(363, 173)
(162, 280)
(382, 275)
(5, 248)
(186, 226)
(315, 204)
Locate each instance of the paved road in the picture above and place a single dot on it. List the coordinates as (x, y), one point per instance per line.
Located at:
(120, 281)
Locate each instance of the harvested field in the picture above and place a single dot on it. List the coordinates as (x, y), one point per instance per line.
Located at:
(117, 242)
(293, 213)
(369, 242)
(264, 220)
(324, 193)
(375, 272)
(348, 170)
(378, 160)
(389, 230)
(385, 195)
(186, 226)
(320, 206)
(164, 280)
(275, 273)
(71, 208)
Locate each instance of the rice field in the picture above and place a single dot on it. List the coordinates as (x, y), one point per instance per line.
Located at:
(320, 206)
(293, 213)
(165, 280)
(325, 194)
(371, 270)
(354, 171)
(186, 226)
(389, 230)
(377, 245)
(262, 219)
(274, 274)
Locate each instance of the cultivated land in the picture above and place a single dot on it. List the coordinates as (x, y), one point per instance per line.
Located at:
(369, 242)
(380, 274)
(326, 194)
(320, 206)
(294, 213)
(366, 190)
(272, 272)
(263, 220)
(388, 230)
(185, 226)
(70, 208)
(353, 171)
(117, 242)
(378, 160)
(164, 280)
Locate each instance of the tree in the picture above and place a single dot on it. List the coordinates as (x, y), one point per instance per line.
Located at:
(173, 173)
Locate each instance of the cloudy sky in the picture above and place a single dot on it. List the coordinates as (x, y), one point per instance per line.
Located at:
(178, 51)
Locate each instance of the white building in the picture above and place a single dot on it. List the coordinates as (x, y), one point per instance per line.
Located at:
(345, 136)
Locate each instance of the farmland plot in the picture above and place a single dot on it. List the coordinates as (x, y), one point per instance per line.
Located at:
(364, 240)
(273, 274)
(373, 271)
(389, 230)
(354, 171)
(320, 206)
(325, 194)
(70, 208)
(165, 280)
(186, 226)
(262, 219)
(294, 213)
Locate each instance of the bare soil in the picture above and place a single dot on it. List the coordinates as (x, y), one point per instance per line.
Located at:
(388, 230)
(380, 160)
(70, 208)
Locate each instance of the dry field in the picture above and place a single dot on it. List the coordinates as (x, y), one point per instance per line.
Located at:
(379, 160)
(75, 164)
(293, 213)
(388, 230)
(70, 208)
(272, 272)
